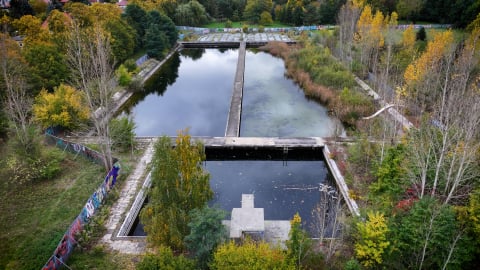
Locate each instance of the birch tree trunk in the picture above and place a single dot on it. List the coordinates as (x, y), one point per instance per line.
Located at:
(90, 58)
(17, 102)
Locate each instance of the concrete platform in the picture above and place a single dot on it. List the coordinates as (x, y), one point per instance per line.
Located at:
(247, 219)
(250, 220)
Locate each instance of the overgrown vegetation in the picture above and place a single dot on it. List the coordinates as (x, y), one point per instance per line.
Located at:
(324, 78)
(179, 185)
(35, 214)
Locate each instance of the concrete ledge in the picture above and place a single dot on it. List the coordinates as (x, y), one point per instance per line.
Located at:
(235, 111)
(341, 185)
(406, 124)
(134, 210)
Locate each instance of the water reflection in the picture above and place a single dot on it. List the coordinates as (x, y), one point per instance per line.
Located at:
(274, 106)
(192, 90)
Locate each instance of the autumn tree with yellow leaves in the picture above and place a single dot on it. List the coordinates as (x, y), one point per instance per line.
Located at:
(424, 75)
(371, 242)
(179, 185)
(442, 83)
(64, 107)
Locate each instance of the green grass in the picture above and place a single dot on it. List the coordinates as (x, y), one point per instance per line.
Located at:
(36, 215)
(99, 258)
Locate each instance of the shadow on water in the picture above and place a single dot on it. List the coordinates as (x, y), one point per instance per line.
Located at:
(157, 83)
(194, 54)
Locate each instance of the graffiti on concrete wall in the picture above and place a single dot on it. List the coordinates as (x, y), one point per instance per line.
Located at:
(75, 148)
(67, 243)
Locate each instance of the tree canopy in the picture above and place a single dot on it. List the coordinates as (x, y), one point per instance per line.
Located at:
(64, 107)
(179, 185)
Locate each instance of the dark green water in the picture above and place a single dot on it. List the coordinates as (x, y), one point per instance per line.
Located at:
(193, 89)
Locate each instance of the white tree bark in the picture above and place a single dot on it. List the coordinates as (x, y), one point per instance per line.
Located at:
(17, 102)
(89, 56)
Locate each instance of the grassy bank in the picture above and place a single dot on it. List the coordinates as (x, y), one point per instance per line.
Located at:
(324, 79)
(35, 215)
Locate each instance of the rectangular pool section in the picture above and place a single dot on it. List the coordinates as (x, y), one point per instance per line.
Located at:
(284, 181)
(192, 90)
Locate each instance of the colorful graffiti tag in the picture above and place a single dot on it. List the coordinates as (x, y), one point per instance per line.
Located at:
(75, 148)
(67, 243)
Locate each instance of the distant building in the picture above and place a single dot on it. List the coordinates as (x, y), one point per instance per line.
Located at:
(122, 4)
(4, 3)
(19, 40)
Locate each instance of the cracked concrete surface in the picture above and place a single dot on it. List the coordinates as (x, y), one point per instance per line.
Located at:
(132, 245)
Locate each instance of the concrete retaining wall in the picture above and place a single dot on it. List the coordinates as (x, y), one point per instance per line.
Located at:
(341, 185)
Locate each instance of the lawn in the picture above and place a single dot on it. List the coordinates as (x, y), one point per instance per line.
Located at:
(36, 215)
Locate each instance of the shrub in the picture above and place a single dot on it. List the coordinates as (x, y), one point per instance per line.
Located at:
(351, 105)
(371, 240)
(124, 77)
(130, 65)
(164, 259)
(352, 264)
(228, 24)
(122, 133)
(250, 255)
(421, 34)
(266, 18)
(52, 161)
(43, 167)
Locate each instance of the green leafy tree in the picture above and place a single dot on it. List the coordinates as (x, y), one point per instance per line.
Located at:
(249, 255)
(311, 14)
(156, 42)
(179, 185)
(206, 233)
(429, 237)
(390, 178)
(254, 9)
(81, 13)
(265, 18)
(39, 7)
(191, 14)
(371, 242)
(164, 259)
(48, 64)
(19, 8)
(122, 132)
(410, 9)
(300, 247)
(165, 24)
(328, 11)
(64, 107)
(137, 18)
(123, 39)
